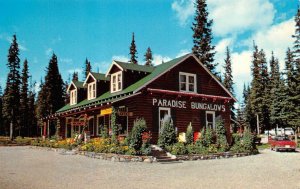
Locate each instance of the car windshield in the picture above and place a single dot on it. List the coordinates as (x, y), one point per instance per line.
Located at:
(282, 138)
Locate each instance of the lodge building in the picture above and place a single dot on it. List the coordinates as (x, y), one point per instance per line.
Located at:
(182, 88)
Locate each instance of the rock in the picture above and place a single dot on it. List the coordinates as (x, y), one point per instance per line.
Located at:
(140, 159)
(115, 159)
(147, 160)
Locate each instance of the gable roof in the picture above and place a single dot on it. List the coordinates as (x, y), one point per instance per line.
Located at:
(76, 84)
(156, 72)
(124, 66)
(96, 76)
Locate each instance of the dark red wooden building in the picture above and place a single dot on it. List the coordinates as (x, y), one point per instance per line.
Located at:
(181, 88)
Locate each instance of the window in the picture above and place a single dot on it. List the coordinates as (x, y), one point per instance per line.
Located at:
(91, 90)
(116, 82)
(210, 120)
(91, 125)
(73, 97)
(163, 113)
(187, 82)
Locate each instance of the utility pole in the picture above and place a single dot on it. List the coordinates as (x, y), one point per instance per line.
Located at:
(257, 124)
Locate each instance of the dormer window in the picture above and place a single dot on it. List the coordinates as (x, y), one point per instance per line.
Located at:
(187, 82)
(116, 82)
(92, 90)
(73, 97)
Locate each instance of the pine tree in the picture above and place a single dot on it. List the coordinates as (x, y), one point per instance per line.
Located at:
(295, 98)
(42, 107)
(87, 68)
(202, 36)
(32, 129)
(11, 98)
(24, 100)
(133, 51)
(75, 76)
(1, 116)
(148, 57)
(291, 83)
(228, 81)
(67, 95)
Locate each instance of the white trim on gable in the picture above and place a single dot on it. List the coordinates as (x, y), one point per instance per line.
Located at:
(113, 63)
(188, 56)
(86, 79)
(72, 83)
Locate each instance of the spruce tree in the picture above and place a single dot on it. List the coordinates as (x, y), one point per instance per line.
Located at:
(11, 98)
(42, 107)
(295, 98)
(87, 68)
(133, 51)
(67, 95)
(1, 117)
(148, 57)
(24, 100)
(75, 76)
(31, 119)
(202, 36)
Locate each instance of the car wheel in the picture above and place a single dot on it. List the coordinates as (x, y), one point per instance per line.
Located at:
(271, 148)
(276, 149)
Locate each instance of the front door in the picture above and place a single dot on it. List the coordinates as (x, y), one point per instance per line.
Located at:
(163, 113)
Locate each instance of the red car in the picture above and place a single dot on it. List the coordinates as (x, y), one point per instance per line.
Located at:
(282, 143)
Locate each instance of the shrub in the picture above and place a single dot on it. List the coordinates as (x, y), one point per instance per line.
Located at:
(197, 148)
(135, 140)
(146, 148)
(207, 137)
(222, 143)
(189, 134)
(178, 149)
(104, 131)
(167, 136)
(248, 142)
(114, 125)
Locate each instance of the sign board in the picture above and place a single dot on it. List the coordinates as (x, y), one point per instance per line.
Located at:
(121, 113)
(106, 111)
(188, 105)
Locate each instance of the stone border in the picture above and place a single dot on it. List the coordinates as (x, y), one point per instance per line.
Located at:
(102, 156)
(224, 155)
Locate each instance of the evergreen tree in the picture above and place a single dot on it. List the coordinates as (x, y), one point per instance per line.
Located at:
(295, 98)
(87, 68)
(291, 105)
(67, 95)
(24, 100)
(11, 98)
(148, 57)
(228, 81)
(202, 36)
(75, 76)
(31, 119)
(1, 117)
(133, 51)
(42, 107)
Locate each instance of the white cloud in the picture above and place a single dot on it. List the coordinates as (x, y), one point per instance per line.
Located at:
(22, 47)
(158, 59)
(121, 58)
(276, 38)
(238, 16)
(78, 70)
(101, 66)
(183, 52)
(56, 40)
(48, 51)
(184, 9)
(66, 60)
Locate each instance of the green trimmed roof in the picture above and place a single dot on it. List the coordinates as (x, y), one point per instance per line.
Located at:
(78, 84)
(108, 96)
(100, 76)
(135, 67)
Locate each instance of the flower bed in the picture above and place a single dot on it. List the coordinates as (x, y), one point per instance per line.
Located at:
(211, 156)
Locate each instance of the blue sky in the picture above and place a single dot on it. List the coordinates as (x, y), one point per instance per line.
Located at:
(101, 31)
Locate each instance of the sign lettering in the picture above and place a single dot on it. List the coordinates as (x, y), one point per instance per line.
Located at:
(184, 104)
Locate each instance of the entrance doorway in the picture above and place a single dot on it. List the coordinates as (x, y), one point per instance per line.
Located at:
(163, 113)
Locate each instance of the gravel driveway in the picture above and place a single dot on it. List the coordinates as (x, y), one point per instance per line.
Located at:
(25, 167)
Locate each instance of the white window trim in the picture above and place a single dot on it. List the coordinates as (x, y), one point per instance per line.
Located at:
(111, 81)
(89, 118)
(92, 94)
(187, 82)
(73, 97)
(214, 119)
(159, 109)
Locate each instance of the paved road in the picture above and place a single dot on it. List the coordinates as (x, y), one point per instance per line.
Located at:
(25, 167)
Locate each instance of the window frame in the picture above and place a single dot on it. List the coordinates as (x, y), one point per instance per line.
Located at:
(92, 92)
(159, 121)
(73, 97)
(187, 83)
(214, 119)
(116, 83)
